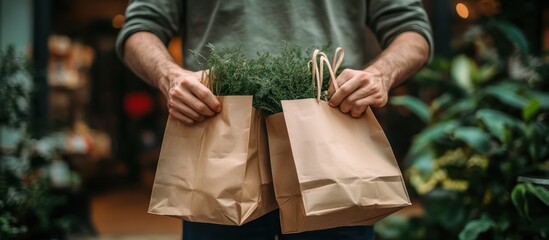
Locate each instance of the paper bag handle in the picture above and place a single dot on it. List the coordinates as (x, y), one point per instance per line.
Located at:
(338, 58)
(332, 68)
(316, 75)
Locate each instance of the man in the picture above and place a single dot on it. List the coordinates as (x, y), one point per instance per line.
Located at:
(401, 27)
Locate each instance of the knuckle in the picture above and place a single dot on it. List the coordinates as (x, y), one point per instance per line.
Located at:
(361, 105)
(363, 76)
(376, 87)
(185, 83)
(348, 103)
(201, 108)
(172, 102)
(347, 72)
(380, 102)
(345, 89)
(344, 108)
(383, 103)
(174, 92)
(353, 98)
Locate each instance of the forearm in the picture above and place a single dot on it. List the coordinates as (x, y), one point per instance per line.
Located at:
(146, 56)
(406, 54)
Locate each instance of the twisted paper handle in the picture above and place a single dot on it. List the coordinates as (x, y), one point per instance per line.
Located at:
(318, 72)
(206, 79)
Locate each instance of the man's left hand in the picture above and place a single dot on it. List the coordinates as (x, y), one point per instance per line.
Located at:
(359, 89)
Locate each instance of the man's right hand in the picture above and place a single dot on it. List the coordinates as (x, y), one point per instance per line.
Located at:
(189, 100)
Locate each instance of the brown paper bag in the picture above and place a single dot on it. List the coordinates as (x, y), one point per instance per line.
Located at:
(216, 171)
(330, 169)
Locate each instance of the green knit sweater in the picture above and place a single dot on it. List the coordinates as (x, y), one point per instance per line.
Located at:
(262, 25)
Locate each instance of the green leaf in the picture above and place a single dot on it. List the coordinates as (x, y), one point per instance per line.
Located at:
(536, 135)
(431, 134)
(475, 137)
(530, 110)
(445, 207)
(413, 104)
(485, 73)
(440, 64)
(462, 71)
(507, 93)
(459, 108)
(539, 191)
(423, 161)
(442, 101)
(496, 122)
(475, 228)
(518, 196)
(542, 96)
(513, 34)
(428, 74)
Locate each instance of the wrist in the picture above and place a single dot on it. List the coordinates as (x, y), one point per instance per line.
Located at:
(169, 76)
(166, 79)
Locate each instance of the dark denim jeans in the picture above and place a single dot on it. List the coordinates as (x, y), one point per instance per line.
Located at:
(266, 227)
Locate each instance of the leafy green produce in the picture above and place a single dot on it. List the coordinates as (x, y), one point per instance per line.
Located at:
(269, 78)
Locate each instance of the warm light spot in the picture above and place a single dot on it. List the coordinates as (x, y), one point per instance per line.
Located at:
(462, 10)
(118, 21)
(174, 47)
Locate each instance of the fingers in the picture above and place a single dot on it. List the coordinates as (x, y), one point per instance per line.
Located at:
(347, 83)
(358, 91)
(184, 119)
(343, 93)
(359, 109)
(185, 110)
(208, 104)
(359, 99)
(190, 101)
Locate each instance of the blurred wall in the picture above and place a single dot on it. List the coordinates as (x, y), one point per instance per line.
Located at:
(16, 24)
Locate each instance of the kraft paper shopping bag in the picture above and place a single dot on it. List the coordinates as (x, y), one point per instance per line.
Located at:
(216, 171)
(329, 168)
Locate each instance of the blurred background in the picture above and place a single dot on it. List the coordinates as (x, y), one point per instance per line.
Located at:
(80, 134)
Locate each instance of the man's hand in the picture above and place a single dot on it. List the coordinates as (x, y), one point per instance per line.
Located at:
(188, 99)
(370, 87)
(360, 89)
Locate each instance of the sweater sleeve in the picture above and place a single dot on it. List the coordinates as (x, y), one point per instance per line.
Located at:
(160, 17)
(389, 18)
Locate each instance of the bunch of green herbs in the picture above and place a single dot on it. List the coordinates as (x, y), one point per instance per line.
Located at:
(230, 72)
(269, 78)
(289, 78)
